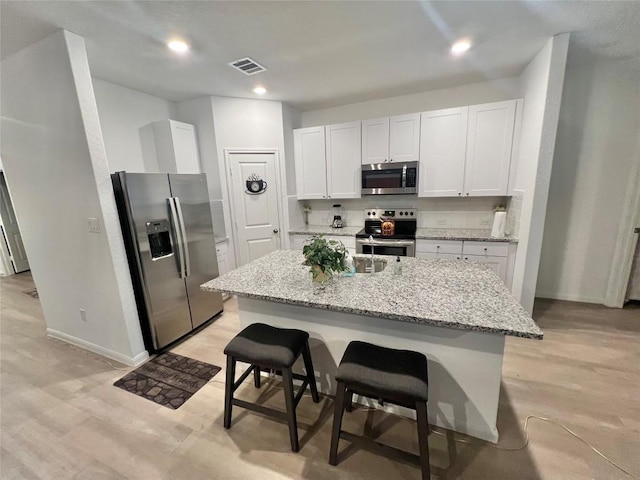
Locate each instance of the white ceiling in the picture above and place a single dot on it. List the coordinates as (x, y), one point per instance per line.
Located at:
(318, 53)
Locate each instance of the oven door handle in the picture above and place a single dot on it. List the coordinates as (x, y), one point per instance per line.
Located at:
(392, 243)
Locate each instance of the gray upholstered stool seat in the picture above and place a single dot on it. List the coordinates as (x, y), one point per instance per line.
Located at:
(266, 347)
(395, 376)
(391, 373)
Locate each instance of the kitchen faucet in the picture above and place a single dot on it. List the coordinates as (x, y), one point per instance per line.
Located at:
(371, 243)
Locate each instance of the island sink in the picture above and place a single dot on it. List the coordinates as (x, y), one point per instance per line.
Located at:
(363, 265)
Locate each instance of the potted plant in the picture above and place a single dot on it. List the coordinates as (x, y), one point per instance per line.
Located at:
(324, 257)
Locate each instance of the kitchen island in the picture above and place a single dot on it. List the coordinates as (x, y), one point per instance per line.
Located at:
(456, 313)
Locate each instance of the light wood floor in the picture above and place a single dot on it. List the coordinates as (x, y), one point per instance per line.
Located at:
(61, 418)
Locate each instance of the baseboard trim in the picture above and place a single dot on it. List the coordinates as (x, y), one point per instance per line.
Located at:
(97, 349)
(570, 297)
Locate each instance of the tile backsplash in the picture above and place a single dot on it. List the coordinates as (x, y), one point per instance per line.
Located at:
(474, 212)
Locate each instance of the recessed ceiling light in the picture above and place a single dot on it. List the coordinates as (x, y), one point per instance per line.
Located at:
(460, 47)
(178, 46)
(260, 90)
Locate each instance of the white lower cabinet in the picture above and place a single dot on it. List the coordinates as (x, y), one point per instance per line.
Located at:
(221, 253)
(497, 264)
(498, 255)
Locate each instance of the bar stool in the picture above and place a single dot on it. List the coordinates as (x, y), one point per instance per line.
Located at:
(269, 348)
(395, 376)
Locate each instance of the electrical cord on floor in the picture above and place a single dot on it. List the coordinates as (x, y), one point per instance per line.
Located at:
(525, 429)
(526, 442)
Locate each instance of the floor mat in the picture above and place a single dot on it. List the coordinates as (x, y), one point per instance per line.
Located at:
(168, 379)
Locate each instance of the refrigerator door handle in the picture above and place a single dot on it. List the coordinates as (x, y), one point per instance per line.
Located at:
(185, 243)
(175, 223)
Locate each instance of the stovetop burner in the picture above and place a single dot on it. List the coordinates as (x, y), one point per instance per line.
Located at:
(405, 223)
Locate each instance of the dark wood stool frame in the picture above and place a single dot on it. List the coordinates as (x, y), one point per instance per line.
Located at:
(291, 400)
(344, 399)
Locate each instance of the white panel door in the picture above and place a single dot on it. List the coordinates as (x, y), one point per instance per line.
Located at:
(256, 216)
(185, 148)
(404, 138)
(443, 141)
(489, 141)
(497, 264)
(309, 152)
(375, 140)
(10, 230)
(343, 160)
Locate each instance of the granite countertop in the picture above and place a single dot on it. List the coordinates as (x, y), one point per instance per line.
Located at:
(326, 230)
(471, 234)
(442, 293)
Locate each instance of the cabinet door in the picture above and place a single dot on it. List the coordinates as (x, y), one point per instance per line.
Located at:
(489, 141)
(343, 160)
(497, 264)
(443, 139)
(185, 147)
(375, 140)
(441, 256)
(309, 152)
(404, 138)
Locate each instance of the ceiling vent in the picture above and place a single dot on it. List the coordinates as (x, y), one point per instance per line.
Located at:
(247, 66)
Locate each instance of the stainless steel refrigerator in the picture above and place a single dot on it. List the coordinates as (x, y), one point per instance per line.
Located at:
(168, 232)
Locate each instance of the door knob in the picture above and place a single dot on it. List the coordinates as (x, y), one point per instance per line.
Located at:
(275, 230)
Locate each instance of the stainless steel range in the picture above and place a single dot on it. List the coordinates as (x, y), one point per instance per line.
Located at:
(398, 237)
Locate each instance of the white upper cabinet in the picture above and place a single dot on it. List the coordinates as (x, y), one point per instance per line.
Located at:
(176, 147)
(391, 139)
(466, 151)
(375, 140)
(443, 140)
(404, 138)
(343, 160)
(489, 142)
(309, 151)
(327, 161)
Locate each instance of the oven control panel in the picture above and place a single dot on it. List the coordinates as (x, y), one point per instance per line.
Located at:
(396, 213)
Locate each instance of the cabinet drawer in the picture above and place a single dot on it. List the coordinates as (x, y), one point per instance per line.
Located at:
(221, 249)
(439, 246)
(493, 249)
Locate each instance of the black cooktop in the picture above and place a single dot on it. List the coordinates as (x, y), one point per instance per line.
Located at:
(405, 220)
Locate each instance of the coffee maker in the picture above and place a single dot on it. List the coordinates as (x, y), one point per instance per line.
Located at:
(337, 216)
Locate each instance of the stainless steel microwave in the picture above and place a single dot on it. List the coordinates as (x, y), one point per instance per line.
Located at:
(390, 178)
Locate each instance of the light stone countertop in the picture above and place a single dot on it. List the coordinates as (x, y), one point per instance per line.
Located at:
(469, 234)
(325, 230)
(477, 235)
(442, 293)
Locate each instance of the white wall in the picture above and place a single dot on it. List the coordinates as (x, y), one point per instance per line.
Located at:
(483, 92)
(123, 113)
(250, 124)
(541, 86)
(596, 148)
(55, 163)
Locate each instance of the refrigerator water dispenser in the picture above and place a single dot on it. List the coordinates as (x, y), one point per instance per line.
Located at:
(159, 239)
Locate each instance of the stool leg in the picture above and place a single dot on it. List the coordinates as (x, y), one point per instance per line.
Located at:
(349, 401)
(228, 390)
(338, 410)
(423, 438)
(291, 408)
(256, 376)
(311, 374)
